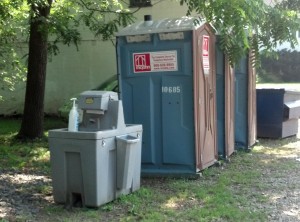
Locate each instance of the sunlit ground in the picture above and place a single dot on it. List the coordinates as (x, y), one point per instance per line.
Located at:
(284, 190)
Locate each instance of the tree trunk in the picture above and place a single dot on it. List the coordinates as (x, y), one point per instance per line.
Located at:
(33, 115)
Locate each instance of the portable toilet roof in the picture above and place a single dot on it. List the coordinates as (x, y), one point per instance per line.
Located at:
(165, 25)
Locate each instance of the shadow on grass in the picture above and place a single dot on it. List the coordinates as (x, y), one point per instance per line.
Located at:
(30, 156)
(278, 143)
(11, 125)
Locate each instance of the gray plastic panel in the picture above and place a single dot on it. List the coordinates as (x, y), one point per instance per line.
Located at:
(292, 110)
(88, 167)
(96, 100)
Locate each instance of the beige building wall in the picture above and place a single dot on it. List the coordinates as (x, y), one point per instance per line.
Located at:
(72, 71)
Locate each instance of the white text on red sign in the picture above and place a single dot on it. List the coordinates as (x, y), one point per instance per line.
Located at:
(160, 61)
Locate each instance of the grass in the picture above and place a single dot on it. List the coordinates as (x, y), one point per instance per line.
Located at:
(231, 192)
(17, 155)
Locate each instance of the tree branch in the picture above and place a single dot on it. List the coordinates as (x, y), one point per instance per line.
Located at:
(103, 11)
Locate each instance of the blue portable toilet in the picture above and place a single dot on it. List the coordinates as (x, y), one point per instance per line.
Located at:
(225, 92)
(245, 104)
(167, 83)
(236, 104)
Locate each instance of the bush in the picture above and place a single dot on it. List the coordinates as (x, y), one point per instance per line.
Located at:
(284, 68)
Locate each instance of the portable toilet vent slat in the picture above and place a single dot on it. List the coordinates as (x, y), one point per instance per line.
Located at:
(167, 83)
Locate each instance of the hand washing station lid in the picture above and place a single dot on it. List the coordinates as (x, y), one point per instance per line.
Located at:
(96, 100)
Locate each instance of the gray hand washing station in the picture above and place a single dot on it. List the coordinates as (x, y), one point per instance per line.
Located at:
(102, 160)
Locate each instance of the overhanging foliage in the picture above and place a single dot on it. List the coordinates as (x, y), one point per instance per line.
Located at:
(65, 23)
(249, 24)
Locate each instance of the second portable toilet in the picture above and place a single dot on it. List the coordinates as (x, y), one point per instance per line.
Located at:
(225, 92)
(167, 83)
(236, 104)
(245, 103)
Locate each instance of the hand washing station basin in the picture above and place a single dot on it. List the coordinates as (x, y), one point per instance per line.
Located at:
(102, 160)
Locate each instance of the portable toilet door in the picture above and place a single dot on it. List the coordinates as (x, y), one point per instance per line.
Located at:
(229, 108)
(205, 96)
(225, 92)
(245, 104)
(167, 84)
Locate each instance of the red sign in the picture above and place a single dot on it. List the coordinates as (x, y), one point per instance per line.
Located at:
(205, 53)
(142, 62)
(160, 61)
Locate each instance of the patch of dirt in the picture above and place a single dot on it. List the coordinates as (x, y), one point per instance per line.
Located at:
(283, 183)
(23, 194)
